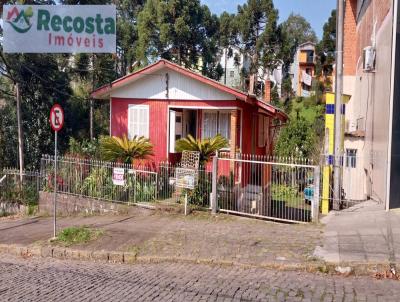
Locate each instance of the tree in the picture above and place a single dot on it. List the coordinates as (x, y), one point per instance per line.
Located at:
(127, 32)
(227, 33)
(296, 30)
(326, 51)
(42, 83)
(297, 139)
(206, 147)
(259, 37)
(181, 31)
(124, 150)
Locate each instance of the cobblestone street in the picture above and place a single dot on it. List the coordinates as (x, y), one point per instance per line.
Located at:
(55, 280)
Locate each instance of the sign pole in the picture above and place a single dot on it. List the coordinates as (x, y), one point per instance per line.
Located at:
(56, 122)
(186, 204)
(55, 186)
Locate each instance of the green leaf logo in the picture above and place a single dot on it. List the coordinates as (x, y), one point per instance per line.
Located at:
(20, 20)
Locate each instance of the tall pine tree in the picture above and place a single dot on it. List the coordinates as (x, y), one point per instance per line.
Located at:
(259, 38)
(181, 31)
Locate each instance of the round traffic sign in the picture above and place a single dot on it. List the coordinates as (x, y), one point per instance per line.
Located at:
(56, 117)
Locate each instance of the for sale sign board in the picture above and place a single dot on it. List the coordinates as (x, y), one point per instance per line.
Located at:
(59, 28)
(118, 176)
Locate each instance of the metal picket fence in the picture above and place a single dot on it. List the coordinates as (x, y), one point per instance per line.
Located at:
(12, 190)
(141, 183)
(283, 189)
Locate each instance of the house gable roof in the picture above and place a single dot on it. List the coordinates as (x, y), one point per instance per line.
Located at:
(104, 91)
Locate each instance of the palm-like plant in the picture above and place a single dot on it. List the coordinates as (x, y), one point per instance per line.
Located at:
(207, 147)
(122, 149)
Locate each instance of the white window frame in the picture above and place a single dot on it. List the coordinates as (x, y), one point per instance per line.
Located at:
(351, 158)
(147, 130)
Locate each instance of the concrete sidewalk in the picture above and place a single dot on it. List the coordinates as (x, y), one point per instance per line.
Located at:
(155, 234)
(365, 233)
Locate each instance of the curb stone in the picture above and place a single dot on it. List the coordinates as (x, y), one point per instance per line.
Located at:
(132, 258)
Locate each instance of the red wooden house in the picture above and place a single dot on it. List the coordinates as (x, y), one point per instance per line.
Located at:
(166, 102)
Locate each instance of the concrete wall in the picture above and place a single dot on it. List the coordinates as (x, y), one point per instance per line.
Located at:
(70, 204)
(370, 91)
(355, 179)
(10, 208)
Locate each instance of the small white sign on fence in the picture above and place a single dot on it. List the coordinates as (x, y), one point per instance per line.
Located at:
(186, 178)
(118, 177)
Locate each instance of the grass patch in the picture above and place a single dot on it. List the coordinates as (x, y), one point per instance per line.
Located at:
(78, 235)
(310, 112)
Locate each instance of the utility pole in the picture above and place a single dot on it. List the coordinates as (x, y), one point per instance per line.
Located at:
(20, 135)
(337, 170)
(91, 102)
(91, 119)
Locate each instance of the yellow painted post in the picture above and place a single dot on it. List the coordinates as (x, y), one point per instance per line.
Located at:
(329, 133)
(329, 146)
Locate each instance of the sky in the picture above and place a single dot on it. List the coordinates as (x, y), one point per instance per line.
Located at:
(316, 12)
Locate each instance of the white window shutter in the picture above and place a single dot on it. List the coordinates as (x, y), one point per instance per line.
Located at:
(138, 121)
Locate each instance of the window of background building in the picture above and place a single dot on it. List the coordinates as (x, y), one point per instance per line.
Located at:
(351, 158)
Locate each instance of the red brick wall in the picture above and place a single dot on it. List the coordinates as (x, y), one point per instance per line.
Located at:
(267, 91)
(349, 38)
(359, 29)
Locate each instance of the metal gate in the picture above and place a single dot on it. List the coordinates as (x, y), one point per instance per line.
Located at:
(259, 187)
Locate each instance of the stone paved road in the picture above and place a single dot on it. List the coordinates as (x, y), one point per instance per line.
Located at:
(54, 280)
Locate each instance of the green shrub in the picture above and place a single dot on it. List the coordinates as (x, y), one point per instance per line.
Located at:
(142, 190)
(122, 149)
(85, 148)
(283, 192)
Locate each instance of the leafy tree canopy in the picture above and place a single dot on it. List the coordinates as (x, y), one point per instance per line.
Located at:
(258, 34)
(297, 139)
(296, 31)
(181, 31)
(327, 46)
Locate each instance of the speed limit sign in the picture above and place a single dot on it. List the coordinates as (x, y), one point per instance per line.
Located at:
(56, 117)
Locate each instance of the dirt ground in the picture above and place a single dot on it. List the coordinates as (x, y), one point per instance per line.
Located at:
(163, 234)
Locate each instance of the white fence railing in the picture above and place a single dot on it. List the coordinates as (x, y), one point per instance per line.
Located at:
(141, 183)
(279, 188)
(12, 190)
(284, 190)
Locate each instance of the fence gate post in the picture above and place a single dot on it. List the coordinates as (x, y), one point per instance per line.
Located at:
(316, 197)
(214, 199)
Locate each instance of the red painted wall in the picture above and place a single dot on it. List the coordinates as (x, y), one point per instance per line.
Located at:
(158, 122)
(158, 112)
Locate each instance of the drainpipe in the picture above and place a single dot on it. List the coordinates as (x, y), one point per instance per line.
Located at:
(392, 83)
